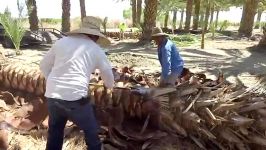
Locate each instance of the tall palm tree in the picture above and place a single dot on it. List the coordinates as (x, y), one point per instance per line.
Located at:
(189, 10)
(182, 19)
(134, 12)
(247, 20)
(150, 14)
(139, 11)
(197, 13)
(33, 17)
(174, 19)
(207, 14)
(166, 18)
(212, 13)
(82, 8)
(65, 15)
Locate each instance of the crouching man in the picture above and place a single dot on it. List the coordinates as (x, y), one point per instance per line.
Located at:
(171, 62)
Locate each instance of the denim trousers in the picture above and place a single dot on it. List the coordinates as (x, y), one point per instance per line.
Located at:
(60, 111)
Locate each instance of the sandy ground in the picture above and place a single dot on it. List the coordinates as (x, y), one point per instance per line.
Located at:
(235, 58)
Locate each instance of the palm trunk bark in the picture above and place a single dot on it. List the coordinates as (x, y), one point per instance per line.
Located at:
(33, 17)
(202, 19)
(65, 15)
(150, 14)
(189, 10)
(174, 19)
(212, 13)
(166, 18)
(247, 20)
(139, 11)
(134, 12)
(181, 19)
(82, 9)
(205, 24)
(207, 16)
(197, 13)
(257, 26)
(217, 18)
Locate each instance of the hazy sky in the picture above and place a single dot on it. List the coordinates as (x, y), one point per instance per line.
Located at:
(101, 8)
(52, 8)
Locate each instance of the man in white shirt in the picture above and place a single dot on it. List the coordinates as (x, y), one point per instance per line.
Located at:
(67, 68)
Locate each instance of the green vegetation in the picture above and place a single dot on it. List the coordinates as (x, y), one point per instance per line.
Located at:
(13, 29)
(127, 14)
(184, 40)
(223, 25)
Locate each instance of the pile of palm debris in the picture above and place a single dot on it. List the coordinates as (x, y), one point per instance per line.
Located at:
(198, 113)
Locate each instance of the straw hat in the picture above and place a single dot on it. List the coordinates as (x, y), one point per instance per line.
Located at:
(157, 31)
(91, 25)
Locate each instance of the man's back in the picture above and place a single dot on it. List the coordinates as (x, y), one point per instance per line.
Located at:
(75, 58)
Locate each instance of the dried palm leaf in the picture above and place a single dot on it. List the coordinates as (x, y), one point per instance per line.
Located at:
(253, 106)
(257, 140)
(238, 120)
(230, 136)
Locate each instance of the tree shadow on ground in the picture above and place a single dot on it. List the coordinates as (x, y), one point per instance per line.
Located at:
(231, 61)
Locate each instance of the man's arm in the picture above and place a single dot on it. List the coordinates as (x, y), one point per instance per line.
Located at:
(105, 70)
(166, 61)
(47, 63)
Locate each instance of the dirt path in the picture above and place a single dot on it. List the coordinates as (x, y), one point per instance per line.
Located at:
(236, 59)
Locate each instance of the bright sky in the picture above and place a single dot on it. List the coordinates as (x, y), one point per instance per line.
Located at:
(53, 8)
(101, 8)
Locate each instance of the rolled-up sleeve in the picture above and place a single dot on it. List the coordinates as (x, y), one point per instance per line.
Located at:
(47, 63)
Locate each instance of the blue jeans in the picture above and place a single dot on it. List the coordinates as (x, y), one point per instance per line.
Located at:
(81, 114)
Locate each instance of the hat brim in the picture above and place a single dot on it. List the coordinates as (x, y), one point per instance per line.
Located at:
(102, 41)
(159, 34)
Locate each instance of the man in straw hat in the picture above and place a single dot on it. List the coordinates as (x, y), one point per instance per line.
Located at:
(67, 68)
(169, 57)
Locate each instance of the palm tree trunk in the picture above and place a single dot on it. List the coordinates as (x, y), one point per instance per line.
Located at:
(207, 15)
(139, 11)
(150, 14)
(202, 19)
(134, 12)
(257, 26)
(82, 8)
(181, 19)
(65, 15)
(205, 24)
(212, 13)
(197, 13)
(247, 20)
(189, 10)
(166, 18)
(217, 18)
(33, 17)
(174, 19)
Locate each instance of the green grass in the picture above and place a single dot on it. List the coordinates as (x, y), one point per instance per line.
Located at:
(184, 40)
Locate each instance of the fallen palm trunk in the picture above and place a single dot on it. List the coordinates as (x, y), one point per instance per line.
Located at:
(207, 114)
